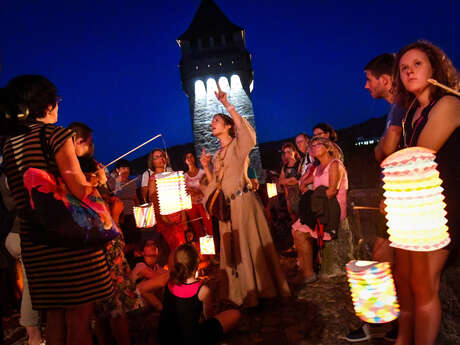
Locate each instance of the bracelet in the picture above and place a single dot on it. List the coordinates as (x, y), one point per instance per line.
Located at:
(230, 107)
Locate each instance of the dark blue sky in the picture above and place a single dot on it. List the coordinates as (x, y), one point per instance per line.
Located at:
(115, 62)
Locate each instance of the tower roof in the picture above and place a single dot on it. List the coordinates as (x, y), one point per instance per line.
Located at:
(209, 20)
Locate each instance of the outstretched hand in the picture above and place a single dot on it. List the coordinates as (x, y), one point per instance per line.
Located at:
(222, 96)
(205, 158)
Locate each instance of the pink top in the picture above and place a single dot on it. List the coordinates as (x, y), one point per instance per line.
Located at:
(323, 180)
(184, 290)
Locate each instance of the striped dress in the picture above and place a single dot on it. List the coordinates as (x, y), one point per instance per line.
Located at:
(58, 277)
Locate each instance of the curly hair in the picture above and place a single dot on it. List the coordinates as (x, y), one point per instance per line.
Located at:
(186, 261)
(443, 71)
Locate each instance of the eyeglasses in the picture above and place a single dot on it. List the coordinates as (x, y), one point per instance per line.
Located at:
(58, 100)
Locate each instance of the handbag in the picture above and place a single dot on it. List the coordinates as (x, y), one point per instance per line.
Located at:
(218, 206)
(61, 219)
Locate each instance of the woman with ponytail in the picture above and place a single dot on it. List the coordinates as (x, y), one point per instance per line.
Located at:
(185, 300)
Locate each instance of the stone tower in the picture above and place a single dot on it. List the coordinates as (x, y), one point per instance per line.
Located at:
(214, 50)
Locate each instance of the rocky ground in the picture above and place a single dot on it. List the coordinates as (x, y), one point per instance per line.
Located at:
(317, 314)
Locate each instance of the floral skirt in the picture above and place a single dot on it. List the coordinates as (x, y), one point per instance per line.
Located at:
(125, 297)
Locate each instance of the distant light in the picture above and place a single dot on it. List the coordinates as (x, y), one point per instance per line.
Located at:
(196, 67)
(235, 82)
(211, 87)
(223, 83)
(220, 63)
(209, 66)
(233, 62)
(251, 87)
(200, 90)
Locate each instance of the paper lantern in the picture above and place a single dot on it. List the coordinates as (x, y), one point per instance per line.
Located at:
(207, 245)
(414, 201)
(144, 216)
(271, 190)
(373, 291)
(172, 194)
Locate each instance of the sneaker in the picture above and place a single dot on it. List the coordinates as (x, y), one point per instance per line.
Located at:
(360, 334)
(392, 334)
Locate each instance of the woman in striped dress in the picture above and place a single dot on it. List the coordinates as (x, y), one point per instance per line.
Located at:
(63, 282)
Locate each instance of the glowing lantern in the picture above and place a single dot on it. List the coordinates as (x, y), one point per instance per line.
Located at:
(172, 194)
(271, 190)
(207, 245)
(144, 216)
(414, 201)
(373, 291)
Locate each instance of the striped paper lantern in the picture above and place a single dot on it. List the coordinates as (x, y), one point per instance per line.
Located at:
(414, 200)
(373, 291)
(172, 195)
(144, 216)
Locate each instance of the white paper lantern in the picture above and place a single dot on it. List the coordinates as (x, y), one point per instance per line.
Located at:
(144, 216)
(414, 201)
(172, 195)
(373, 291)
(271, 190)
(207, 245)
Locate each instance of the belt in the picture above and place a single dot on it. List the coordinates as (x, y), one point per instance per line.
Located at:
(239, 192)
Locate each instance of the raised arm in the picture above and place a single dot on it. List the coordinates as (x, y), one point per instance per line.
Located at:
(222, 97)
(205, 160)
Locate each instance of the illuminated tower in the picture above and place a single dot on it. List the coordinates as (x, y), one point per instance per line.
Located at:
(214, 50)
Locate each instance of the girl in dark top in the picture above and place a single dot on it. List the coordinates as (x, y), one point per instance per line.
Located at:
(185, 300)
(289, 178)
(432, 121)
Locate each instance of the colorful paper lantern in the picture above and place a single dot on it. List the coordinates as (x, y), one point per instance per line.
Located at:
(207, 245)
(144, 216)
(414, 200)
(271, 190)
(172, 195)
(373, 291)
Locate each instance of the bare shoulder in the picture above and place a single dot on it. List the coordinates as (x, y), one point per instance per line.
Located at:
(204, 293)
(447, 108)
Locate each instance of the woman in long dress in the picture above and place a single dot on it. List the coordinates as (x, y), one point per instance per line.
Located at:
(248, 255)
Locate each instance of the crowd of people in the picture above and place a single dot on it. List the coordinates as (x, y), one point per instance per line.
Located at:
(81, 291)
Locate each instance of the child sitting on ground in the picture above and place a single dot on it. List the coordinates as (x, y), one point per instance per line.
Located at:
(185, 300)
(149, 276)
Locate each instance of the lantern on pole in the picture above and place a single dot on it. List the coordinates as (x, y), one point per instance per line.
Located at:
(373, 291)
(414, 201)
(172, 195)
(144, 215)
(207, 245)
(271, 190)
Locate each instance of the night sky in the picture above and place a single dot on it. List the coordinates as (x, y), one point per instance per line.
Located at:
(116, 62)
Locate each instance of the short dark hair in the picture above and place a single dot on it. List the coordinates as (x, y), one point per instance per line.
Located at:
(81, 130)
(382, 64)
(30, 95)
(123, 163)
(328, 129)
